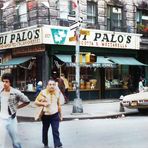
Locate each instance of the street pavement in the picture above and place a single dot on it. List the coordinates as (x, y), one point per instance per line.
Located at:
(92, 109)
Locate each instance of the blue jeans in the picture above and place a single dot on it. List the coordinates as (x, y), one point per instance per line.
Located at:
(52, 120)
(9, 125)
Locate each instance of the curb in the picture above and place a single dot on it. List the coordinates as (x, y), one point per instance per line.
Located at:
(80, 117)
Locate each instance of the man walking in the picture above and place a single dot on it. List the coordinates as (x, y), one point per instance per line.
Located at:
(11, 99)
(51, 99)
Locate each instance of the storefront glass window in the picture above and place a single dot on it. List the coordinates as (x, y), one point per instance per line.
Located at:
(88, 79)
(116, 77)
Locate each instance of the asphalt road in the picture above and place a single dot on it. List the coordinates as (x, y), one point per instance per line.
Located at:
(125, 132)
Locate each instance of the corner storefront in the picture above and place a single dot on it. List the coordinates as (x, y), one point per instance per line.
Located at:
(34, 53)
(116, 61)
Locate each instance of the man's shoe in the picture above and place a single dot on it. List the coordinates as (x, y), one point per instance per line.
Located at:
(59, 146)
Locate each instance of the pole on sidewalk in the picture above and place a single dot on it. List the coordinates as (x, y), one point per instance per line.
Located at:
(77, 105)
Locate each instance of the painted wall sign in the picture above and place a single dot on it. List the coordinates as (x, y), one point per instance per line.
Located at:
(19, 38)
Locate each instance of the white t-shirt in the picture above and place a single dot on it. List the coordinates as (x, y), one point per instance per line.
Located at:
(4, 105)
(141, 87)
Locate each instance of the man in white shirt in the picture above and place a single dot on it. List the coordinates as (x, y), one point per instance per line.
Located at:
(10, 100)
(141, 86)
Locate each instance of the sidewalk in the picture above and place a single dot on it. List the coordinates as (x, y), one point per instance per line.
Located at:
(92, 109)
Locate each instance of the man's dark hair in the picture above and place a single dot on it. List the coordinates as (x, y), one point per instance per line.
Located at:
(8, 76)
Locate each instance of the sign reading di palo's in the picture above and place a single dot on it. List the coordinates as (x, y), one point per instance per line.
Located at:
(64, 36)
(107, 39)
(91, 38)
(19, 38)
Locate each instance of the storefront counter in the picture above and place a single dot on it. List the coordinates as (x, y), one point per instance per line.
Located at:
(85, 94)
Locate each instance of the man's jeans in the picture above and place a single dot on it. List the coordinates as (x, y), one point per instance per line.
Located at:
(9, 125)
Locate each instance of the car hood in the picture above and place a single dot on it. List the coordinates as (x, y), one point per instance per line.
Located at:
(136, 96)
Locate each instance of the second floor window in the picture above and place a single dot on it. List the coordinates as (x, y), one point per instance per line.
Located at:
(20, 18)
(114, 18)
(92, 13)
(142, 21)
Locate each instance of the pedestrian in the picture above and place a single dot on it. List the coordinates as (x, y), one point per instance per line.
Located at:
(39, 87)
(141, 86)
(60, 84)
(51, 99)
(11, 99)
(66, 83)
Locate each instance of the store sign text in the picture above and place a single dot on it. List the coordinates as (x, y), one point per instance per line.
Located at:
(106, 40)
(22, 38)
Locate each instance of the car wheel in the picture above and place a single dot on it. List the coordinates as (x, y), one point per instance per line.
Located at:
(143, 110)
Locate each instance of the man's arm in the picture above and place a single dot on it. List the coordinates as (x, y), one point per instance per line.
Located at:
(22, 105)
(23, 99)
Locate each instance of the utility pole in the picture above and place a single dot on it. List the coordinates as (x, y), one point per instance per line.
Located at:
(77, 106)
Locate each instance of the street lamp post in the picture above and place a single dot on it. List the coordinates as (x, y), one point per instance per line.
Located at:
(77, 106)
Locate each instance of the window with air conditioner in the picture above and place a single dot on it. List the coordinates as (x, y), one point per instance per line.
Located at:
(114, 18)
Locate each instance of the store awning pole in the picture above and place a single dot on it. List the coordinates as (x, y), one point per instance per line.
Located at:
(77, 106)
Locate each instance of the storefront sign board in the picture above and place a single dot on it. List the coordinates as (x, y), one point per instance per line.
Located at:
(21, 37)
(91, 38)
(58, 35)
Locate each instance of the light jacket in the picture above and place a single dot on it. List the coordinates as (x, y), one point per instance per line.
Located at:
(55, 100)
(16, 96)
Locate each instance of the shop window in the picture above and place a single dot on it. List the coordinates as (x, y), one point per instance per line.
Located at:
(92, 13)
(116, 77)
(87, 78)
(26, 75)
(114, 18)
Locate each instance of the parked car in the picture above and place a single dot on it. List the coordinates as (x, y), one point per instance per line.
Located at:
(135, 101)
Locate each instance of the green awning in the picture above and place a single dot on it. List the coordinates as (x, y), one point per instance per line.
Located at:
(14, 62)
(104, 62)
(126, 61)
(64, 58)
(101, 61)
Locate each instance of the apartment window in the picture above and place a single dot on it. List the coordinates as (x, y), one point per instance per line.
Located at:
(63, 5)
(92, 13)
(114, 18)
(142, 20)
(32, 12)
(20, 19)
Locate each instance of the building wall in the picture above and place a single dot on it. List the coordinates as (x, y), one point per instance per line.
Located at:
(129, 8)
